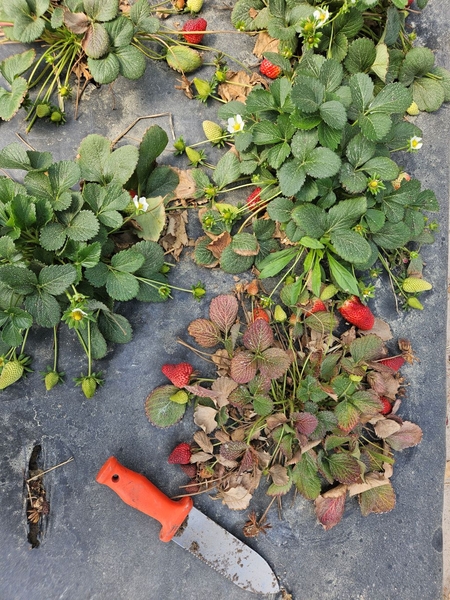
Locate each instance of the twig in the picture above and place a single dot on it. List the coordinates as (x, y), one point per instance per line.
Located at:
(165, 114)
(25, 142)
(51, 469)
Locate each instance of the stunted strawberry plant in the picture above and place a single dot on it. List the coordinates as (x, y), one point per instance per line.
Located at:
(301, 402)
(77, 236)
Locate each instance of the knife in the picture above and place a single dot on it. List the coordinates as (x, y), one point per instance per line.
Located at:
(191, 529)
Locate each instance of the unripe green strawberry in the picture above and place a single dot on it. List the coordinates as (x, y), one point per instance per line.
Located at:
(43, 110)
(89, 385)
(51, 379)
(414, 285)
(193, 155)
(213, 131)
(279, 314)
(179, 397)
(12, 372)
(194, 6)
(183, 59)
(414, 302)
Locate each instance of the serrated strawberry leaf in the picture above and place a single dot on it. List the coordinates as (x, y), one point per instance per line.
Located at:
(243, 367)
(223, 311)
(305, 422)
(344, 468)
(305, 477)
(258, 337)
(160, 409)
(273, 363)
(204, 332)
(366, 348)
(377, 500)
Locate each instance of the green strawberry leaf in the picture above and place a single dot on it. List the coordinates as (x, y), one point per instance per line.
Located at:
(55, 279)
(44, 308)
(114, 327)
(160, 409)
(305, 477)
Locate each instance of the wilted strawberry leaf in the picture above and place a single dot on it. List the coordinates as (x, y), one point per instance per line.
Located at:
(322, 321)
(274, 363)
(205, 417)
(223, 311)
(377, 500)
(367, 402)
(258, 336)
(407, 436)
(305, 422)
(347, 415)
(204, 332)
(232, 450)
(330, 506)
(366, 348)
(243, 367)
(223, 388)
(344, 468)
(161, 411)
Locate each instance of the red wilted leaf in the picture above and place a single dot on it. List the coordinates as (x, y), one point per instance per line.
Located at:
(243, 367)
(377, 500)
(407, 436)
(330, 506)
(305, 422)
(274, 363)
(201, 392)
(204, 332)
(258, 336)
(223, 311)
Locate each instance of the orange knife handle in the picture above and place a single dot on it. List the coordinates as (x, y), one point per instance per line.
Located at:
(140, 493)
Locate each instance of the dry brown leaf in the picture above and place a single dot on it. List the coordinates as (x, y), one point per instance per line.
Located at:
(186, 185)
(239, 434)
(223, 386)
(279, 474)
(386, 427)
(203, 441)
(265, 43)
(218, 245)
(372, 480)
(236, 498)
(222, 361)
(238, 86)
(185, 87)
(176, 237)
(230, 464)
(200, 457)
(275, 420)
(381, 329)
(204, 417)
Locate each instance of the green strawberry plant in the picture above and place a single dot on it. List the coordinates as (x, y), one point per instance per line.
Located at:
(298, 401)
(74, 239)
(91, 39)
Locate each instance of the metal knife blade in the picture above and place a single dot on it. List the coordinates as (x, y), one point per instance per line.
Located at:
(191, 529)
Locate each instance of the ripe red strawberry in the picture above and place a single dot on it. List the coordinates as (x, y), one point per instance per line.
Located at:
(269, 70)
(179, 374)
(254, 198)
(393, 362)
(180, 455)
(387, 406)
(260, 313)
(357, 313)
(317, 306)
(196, 25)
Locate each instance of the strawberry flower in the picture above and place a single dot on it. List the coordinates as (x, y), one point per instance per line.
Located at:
(141, 204)
(321, 16)
(235, 124)
(415, 144)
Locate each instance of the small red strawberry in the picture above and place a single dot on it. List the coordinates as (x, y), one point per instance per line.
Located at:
(254, 198)
(196, 25)
(190, 470)
(269, 70)
(180, 455)
(260, 313)
(179, 374)
(317, 306)
(393, 362)
(357, 313)
(387, 406)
